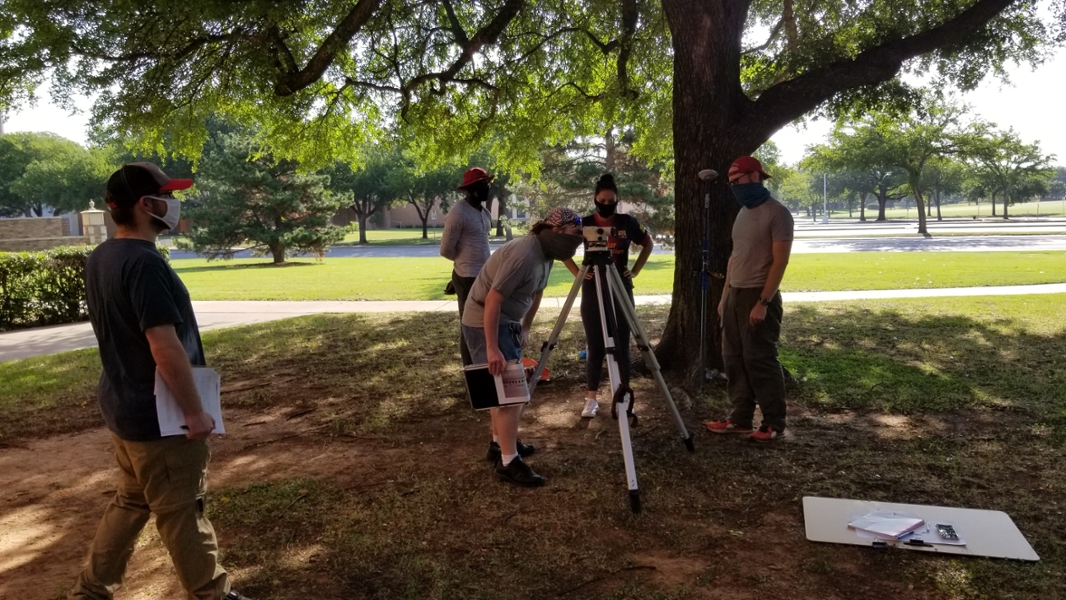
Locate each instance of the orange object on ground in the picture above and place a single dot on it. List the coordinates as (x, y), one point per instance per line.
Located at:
(531, 366)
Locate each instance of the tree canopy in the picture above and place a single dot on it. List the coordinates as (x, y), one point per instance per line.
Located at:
(247, 198)
(700, 82)
(42, 170)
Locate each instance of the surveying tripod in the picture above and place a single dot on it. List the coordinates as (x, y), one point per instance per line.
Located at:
(609, 285)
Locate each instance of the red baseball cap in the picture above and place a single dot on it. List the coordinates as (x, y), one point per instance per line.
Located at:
(745, 165)
(474, 175)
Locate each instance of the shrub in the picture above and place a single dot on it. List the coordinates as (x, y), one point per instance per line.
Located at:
(44, 288)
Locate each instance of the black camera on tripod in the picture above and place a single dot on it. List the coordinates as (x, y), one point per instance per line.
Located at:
(596, 238)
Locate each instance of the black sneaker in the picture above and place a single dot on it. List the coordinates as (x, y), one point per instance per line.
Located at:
(518, 473)
(494, 455)
(232, 595)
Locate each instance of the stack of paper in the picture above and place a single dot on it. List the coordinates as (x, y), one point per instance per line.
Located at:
(883, 523)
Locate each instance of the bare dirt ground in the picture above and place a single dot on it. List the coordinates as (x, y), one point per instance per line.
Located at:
(354, 468)
(54, 491)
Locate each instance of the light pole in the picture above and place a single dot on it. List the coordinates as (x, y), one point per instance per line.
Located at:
(825, 198)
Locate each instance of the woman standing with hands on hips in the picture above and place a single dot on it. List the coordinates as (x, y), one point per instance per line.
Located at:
(627, 231)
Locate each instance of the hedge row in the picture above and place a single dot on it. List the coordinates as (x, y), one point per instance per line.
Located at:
(44, 288)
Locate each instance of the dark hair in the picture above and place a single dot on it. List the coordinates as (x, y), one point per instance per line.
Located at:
(538, 227)
(606, 182)
(121, 212)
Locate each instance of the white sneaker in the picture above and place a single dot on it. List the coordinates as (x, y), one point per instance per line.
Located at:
(591, 407)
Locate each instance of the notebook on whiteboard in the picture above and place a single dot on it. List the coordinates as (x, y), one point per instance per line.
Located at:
(493, 391)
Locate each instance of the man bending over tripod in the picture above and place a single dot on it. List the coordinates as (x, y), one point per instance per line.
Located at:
(751, 308)
(498, 314)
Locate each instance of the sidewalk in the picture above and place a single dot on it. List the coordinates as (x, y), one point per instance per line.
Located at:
(27, 343)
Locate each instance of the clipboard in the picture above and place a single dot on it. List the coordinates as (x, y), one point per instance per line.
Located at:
(493, 391)
(170, 416)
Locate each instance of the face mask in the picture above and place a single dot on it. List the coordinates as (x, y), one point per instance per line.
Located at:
(750, 195)
(559, 246)
(478, 196)
(173, 212)
(606, 210)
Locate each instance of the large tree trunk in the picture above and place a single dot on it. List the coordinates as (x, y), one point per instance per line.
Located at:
(862, 207)
(708, 133)
(882, 202)
(1006, 202)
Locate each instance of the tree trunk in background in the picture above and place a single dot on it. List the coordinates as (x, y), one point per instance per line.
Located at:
(277, 250)
(993, 204)
(362, 225)
(882, 202)
(609, 150)
(939, 217)
(1006, 201)
(862, 207)
(502, 200)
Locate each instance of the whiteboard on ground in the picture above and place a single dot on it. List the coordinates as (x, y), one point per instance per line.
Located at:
(989, 533)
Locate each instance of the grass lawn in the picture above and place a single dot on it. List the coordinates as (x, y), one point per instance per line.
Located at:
(947, 401)
(425, 278)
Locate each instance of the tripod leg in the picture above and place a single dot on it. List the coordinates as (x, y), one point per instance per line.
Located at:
(546, 349)
(616, 380)
(630, 313)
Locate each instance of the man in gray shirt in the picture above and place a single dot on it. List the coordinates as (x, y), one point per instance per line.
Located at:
(466, 239)
(499, 312)
(751, 307)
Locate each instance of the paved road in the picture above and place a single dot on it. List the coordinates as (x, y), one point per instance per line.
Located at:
(27, 343)
(977, 243)
(852, 227)
(913, 243)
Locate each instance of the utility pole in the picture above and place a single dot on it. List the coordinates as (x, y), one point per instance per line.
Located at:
(825, 198)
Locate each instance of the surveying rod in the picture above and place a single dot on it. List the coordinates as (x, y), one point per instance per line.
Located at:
(707, 176)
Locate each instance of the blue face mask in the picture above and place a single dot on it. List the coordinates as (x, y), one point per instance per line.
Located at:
(750, 195)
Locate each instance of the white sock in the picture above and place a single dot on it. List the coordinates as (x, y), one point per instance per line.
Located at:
(496, 438)
(505, 459)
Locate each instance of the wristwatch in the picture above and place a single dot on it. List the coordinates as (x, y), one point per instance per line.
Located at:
(764, 302)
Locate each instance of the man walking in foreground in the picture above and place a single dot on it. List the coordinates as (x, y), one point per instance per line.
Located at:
(465, 240)
(143, 320)
(751, 308)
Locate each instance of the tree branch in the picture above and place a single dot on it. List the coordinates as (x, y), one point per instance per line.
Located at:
(789, 100)
(485, 36)
(292, 82)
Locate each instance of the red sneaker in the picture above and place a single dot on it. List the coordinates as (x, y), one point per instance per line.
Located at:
(764, 434)
(727, 426)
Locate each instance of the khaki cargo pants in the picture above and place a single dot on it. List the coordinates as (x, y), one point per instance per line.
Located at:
(167, 478)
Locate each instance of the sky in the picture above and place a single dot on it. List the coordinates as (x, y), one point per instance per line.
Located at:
(1032, 103)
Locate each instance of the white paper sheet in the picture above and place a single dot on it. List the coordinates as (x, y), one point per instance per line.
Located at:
(511, 386)
(171, 417)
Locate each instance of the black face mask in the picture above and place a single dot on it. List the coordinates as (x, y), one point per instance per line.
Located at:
(478, 195)
(559, 246)
(606, 210)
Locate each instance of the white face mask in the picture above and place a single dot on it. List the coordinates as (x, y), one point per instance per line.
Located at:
(173, 212)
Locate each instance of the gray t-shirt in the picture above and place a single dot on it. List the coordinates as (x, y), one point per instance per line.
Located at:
(466, 238)
(518, 270)
(754, 233)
